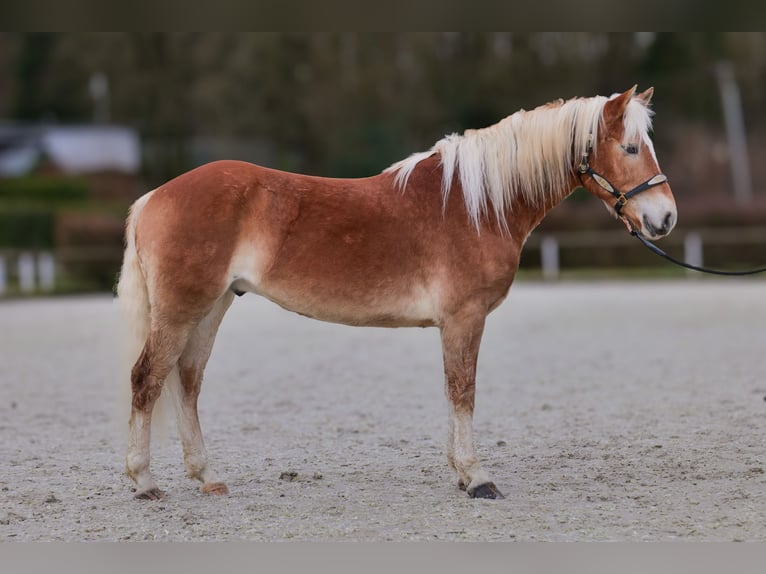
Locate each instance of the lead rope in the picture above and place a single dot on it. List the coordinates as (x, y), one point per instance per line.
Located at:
(622, 198)
(661, 253)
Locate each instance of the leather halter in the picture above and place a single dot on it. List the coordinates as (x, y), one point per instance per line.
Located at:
(622, 198)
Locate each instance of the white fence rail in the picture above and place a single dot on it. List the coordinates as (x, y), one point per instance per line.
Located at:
(27, 272)
(551, 245)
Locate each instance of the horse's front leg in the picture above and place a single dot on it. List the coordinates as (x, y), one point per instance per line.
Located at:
(461, 337)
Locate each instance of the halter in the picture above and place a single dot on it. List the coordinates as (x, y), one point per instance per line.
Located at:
(622, 198)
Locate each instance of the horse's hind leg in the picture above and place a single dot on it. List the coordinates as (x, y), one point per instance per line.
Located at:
(461, 337)
(164, 345)
(191, 366)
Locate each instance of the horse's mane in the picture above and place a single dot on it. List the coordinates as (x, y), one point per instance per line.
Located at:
(529, 154)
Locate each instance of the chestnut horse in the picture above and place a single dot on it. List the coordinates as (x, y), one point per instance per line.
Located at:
(433, 241)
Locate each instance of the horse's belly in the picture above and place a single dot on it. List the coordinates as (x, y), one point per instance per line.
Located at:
(415, 308)
(356, 277)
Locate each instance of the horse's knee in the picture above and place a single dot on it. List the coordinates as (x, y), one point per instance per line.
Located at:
(461, 392)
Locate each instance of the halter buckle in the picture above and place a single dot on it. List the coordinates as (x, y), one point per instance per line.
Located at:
(583, 168)
(622, 200)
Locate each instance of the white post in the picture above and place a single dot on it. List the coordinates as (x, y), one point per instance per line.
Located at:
(549, 257)
(46, 271)
(735, 132)
(693, 251)
(99, 91)
(3, 275)
(26, 266)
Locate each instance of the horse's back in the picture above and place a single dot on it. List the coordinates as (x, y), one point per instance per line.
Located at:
(309, 243)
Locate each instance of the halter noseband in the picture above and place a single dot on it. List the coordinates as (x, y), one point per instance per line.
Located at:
(622, 198)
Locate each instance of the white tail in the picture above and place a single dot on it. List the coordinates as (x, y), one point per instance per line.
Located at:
(131, 289)
(133, 298)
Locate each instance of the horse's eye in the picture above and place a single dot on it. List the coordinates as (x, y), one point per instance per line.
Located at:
(630, 148)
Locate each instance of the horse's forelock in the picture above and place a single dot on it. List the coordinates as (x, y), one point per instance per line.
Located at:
(637, 121)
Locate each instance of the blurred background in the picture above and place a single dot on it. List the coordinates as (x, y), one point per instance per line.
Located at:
(89, 122)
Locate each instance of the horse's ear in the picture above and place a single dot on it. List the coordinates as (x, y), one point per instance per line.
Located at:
(646, 96)
(614, 109)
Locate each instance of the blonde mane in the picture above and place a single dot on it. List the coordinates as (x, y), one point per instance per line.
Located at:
(531, 154)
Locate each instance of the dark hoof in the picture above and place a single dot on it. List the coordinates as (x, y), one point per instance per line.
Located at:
(486, 490)
(151, 494)
(461, 485)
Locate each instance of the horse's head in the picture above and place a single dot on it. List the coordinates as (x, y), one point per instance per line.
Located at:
(620, 167)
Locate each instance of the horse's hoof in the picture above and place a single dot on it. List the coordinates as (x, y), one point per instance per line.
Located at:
(486, 490)
(151, 494)
(461, 485)
(217, 488)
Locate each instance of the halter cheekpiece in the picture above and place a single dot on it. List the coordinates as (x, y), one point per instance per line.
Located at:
(622, 198)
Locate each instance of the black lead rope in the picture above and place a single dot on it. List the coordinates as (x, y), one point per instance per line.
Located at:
(622, 198)
(661, 253)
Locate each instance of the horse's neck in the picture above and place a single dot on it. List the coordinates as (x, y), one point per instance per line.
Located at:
(522, 218)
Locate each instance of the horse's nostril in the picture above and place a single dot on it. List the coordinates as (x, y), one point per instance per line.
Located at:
(668, 222)
(662, 228)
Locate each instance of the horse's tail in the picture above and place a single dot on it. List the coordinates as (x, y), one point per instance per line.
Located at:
(133, 298)
(132, 292)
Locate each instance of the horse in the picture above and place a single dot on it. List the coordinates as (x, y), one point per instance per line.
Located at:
(432, 241)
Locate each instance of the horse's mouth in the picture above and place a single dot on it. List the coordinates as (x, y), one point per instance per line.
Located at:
(647, 231)
(631, 228)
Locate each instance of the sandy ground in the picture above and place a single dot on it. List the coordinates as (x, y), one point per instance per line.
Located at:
(609, 411)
